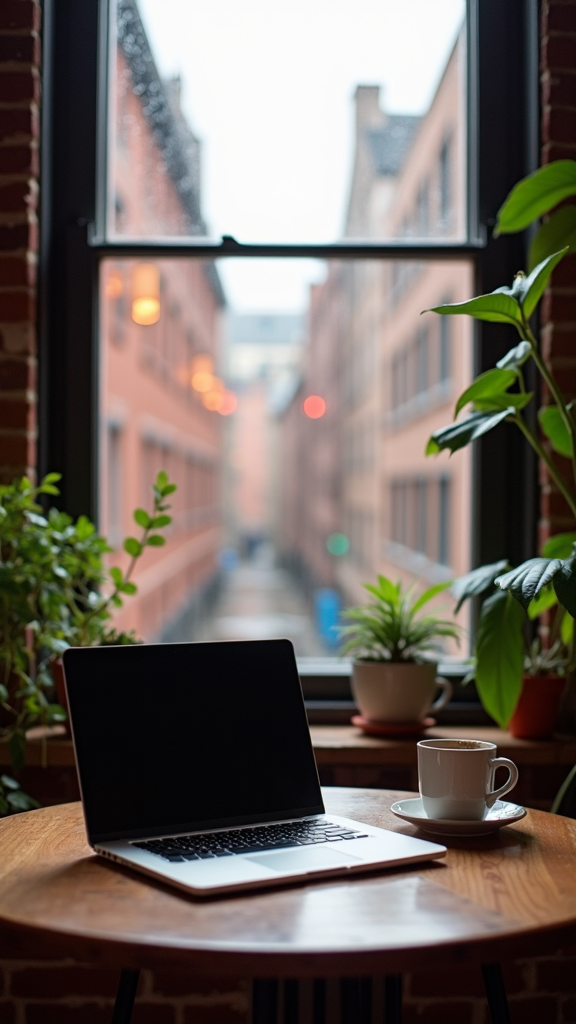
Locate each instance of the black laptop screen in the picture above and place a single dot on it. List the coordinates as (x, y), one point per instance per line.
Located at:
(177, 737)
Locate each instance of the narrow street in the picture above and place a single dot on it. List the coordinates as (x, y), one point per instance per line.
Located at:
(259, 601)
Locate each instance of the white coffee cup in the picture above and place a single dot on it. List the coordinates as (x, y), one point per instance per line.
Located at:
(456, 778)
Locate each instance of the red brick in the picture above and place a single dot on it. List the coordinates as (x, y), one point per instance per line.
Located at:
(565, 273)
(568, 1011)
(19, 14)
(557, 307)
(559, 89)
(21, 159)
(552, 151)
(556, 975)
(217, 1015)
(57, 982)
(154, 1013)
(16, 375)
(19, 85)
(561, 17)
(57, 1013)
(18, 414)
(17, 306)
(438, 1013)
(533, 1010)
(17, 270)
(24, 49)
(21, 121)
(19, 236)
(560, 125)
(16, 451)
(559, 52)
(17, 196)
(180, 983)
(7, 1012)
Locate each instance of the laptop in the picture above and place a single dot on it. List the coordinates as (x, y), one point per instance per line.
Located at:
(196, 767)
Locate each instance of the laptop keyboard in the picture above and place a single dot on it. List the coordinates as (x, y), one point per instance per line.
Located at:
(249, 840)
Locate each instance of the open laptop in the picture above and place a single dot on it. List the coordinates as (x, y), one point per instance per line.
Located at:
(196, 767)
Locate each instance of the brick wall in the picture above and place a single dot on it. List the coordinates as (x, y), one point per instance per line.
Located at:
(540, 991)
(19, 163)
(558, 310)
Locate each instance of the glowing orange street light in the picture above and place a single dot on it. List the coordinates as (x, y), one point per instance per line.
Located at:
(314, 407)
(202, 374)
(213, 398)
(146, 294)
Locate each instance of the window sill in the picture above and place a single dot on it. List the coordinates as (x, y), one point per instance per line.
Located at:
(344, 744)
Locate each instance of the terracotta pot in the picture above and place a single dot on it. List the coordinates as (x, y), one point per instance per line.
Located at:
(387, 691)
(537, 709)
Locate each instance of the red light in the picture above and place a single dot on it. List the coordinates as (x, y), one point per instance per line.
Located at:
(314, 407)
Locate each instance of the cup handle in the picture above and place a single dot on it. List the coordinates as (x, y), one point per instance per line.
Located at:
(511, 781)
(445, 695)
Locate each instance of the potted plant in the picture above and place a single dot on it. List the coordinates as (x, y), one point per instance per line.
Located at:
(51, 573)
(511, 595)
(396, 651)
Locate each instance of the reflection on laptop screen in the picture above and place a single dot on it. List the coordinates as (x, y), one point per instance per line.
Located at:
(177, 737)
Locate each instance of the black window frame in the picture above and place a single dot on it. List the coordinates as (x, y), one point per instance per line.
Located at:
(503, 123)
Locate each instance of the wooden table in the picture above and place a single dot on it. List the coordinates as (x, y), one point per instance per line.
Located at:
(498, 897)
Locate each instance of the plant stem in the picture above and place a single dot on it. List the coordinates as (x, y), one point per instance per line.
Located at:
(533, 440)
(554, 390)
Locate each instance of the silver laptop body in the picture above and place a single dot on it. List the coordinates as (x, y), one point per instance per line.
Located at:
(196, 767)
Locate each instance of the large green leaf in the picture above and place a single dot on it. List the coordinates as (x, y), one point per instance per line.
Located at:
(458, 435)
(505, 400)
(496, 307)
(477, 582)
(546, 599)
(552, 236)
(527, 580)
(493, 382)
(560, 546)
(537, 280)
(500, 656)
(536, 195)
(516, 357)
(556, 430)
(565, 586)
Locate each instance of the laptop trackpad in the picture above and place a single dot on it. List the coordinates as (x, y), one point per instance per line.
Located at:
(287, 861)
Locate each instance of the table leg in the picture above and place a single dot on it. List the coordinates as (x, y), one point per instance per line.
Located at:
(125, 996)
(496, 994)
(393, 999)
(264, 1001)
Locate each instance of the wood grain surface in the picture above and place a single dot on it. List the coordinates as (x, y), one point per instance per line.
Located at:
(495, 897)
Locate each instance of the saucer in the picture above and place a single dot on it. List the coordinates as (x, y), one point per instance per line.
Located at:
(391, 729)
(502, 813)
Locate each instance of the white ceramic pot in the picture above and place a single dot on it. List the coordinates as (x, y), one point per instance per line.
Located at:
(387, 691)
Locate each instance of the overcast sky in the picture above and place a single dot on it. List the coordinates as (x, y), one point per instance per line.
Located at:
(268, 88)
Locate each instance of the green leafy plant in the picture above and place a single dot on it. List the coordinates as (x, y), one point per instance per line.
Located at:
(53, 585)
(513, 595)
(13, 799)
(390, 627)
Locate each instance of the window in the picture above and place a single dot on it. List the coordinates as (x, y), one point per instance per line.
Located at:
(413, 232)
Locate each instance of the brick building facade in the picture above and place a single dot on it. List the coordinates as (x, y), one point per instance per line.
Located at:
(540, 989)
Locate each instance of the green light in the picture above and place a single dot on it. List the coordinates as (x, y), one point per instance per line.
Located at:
(338, 544)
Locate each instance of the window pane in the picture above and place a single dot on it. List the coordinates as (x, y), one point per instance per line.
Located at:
(291, 402)
(288, 123)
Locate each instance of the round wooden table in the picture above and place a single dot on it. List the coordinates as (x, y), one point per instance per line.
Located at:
(496, 897)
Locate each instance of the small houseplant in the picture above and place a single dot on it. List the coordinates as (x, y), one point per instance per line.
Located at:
(510, 594)
(51, 574)
(396, 651)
